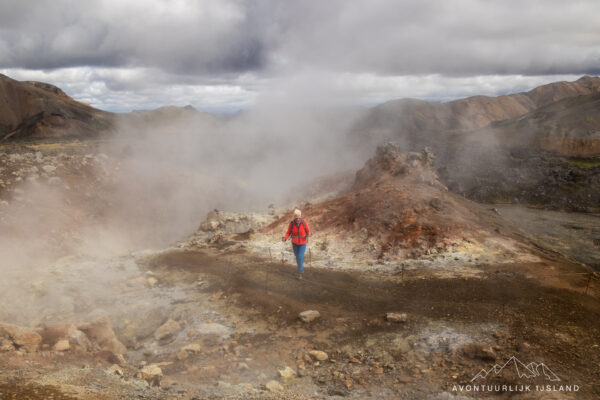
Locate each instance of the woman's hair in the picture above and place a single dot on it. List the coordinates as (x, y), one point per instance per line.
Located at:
(297, 212)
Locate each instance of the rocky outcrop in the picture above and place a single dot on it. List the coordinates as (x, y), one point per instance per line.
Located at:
(397, 209)
(19, 338)
(100, 332)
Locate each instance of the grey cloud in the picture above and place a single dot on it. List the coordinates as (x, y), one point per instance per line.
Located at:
(448, 37)
(180, 36)
(213, 37)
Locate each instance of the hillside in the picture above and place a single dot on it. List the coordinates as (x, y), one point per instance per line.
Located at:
(570, 127)
(417, 123)
(40, 110)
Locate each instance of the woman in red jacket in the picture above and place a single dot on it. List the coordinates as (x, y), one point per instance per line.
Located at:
(298, 229)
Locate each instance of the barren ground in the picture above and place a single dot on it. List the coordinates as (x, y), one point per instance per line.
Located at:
(232, 315)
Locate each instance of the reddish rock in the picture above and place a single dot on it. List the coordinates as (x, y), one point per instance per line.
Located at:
(100, 332)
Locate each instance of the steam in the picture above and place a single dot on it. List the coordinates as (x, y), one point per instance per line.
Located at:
(184, 169)
(151, 185)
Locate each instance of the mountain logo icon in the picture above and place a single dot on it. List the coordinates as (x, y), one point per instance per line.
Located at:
(529, 371)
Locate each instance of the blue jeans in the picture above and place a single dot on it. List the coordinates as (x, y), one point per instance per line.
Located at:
(299, 250)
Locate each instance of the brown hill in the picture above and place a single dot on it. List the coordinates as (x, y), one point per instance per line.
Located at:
(41, 110)
(418, 123)
(570, 127)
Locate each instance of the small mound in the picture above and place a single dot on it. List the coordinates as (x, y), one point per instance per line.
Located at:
(398, 207)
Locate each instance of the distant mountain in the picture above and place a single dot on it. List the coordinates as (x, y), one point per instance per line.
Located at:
(416, 122)
(40, 110)
(165, 117)
(570, 127)
(37, 110)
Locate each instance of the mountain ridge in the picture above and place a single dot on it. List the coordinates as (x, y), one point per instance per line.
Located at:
(421, 123)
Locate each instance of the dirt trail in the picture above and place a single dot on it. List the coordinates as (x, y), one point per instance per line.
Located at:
(557, 325)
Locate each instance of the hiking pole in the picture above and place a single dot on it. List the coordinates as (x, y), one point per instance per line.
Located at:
(588, 283)
(267, 274)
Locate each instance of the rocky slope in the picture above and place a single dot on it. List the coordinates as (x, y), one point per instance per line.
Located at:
(548, 157)
(40, 110)
(570, 127)
(418, 123)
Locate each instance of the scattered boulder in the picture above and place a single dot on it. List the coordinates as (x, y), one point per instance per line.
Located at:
(151, 374)
(78, 339)
(150, 321)
(116, 369)
(22, 338)
(479, 351)
(110, 357)
(396, 317)
(62, 345)
(309, 315)
(100, 332)
(319, 355)
(287, 373)
(192, 348)
(274, 386)
(6, 345)
(167, 331)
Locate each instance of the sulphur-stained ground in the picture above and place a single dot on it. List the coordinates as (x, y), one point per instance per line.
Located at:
(236, 327)
(400, 309)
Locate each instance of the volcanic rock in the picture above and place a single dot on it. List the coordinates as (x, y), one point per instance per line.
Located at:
(396, 317)
(100, 332)
(309, 316)
(167, 330)
(192, 348)
(78, 339)
(22, 338)
(287, 373)
(274, 386)
(319, 355)
(479, 351)
(152, 374)
(62, 345)
(6, 345)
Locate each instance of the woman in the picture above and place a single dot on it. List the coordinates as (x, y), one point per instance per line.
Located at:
(298, 229)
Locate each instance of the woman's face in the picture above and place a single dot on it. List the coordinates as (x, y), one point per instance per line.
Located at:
(297, 217)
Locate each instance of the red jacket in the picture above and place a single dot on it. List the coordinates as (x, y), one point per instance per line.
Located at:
(299, 234)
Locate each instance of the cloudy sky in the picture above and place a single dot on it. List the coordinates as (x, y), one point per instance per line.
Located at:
(225, 55)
